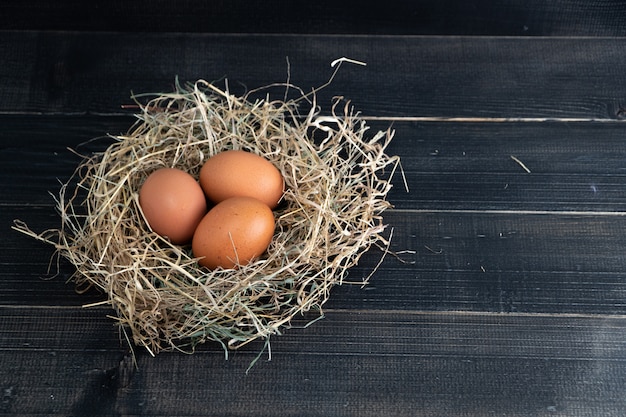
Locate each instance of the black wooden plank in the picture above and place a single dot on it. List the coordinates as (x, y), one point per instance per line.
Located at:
(51, 383)
(312, 385)
(361, 363)
(352, 333)
(514, 191)
(59, 329)
(423, 17)
(473, 241)
(406, 76)
(470, 261)
(390, 386)
(82, 133)
(495, 291)
(37, 285)
(452, 166)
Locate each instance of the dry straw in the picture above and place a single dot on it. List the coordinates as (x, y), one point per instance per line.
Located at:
(336, 178)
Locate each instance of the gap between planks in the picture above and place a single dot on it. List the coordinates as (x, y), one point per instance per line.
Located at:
(451, 313)
(366, 312)
(520, 212)
(491, 119)
(450, 119)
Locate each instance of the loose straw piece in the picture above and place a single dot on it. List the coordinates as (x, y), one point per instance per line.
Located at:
(344, 59)
(520, 163)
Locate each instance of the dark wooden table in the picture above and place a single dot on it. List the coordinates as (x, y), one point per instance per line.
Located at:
(510, 121)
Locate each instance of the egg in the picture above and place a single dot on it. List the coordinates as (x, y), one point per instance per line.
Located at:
(233, 232)
(173, 204)
(237, 173)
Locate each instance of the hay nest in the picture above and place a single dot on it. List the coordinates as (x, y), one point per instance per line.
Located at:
(336, 186)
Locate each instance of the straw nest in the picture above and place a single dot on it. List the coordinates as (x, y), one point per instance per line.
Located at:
(336, 177)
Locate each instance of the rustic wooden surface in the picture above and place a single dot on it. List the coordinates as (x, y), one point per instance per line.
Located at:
(514, 300)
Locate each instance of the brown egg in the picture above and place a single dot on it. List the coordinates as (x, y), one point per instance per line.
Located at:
(241, 174)
(173, 203)
(233, 232)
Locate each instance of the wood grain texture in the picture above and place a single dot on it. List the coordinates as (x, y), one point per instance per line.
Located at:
(400, 17)
(448, 166)
(405, 76)
(509, 294)
(353, 363)
(554, 263)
